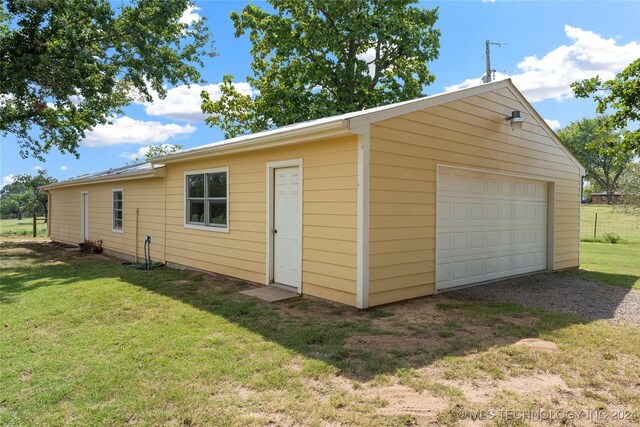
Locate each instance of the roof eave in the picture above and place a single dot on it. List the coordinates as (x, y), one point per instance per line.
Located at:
(335, 128)
(422, 103)
(156, 172)
(546, 126)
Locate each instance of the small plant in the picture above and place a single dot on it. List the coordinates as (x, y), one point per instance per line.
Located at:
(611, 237)
(91, 247)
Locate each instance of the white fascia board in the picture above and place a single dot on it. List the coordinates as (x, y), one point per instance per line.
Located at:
(520, 97)
(157, 172)
(394, 110)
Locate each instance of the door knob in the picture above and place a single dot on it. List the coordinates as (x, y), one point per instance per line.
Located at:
(275, 231)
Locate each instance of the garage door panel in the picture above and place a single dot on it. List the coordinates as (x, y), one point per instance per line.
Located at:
(488, 227)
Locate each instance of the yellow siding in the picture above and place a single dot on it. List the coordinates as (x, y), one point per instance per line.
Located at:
(145, 195)
(473, 133)
(64, 220)
(330, 174)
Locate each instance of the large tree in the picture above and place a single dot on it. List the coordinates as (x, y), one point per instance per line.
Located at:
(314, 58)
(630, 185)
(24, 194)
(592, 145)
(69, 65)
(622, 96)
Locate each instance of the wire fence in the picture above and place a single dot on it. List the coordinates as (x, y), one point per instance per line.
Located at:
(597, 225)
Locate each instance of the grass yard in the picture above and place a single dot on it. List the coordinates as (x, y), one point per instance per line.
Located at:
(615, 264)
(611, 219)
(22, 228)
(86, 341)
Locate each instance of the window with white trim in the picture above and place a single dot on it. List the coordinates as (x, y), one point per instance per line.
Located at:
(206, 201)
(117, 209)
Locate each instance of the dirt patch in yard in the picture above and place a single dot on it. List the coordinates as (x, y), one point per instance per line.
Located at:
(538, 343)
(400, 401)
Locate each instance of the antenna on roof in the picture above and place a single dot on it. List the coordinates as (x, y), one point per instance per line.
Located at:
(490, 74)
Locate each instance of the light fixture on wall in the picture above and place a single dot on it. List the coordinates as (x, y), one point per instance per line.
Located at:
(515, 120)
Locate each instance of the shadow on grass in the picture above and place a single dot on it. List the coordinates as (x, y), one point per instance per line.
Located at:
(361, 344)
(628, 281)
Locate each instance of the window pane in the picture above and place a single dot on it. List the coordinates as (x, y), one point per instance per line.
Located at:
(195, 184)
(196, 211)
(217, 184)
(218, 212)
(117, 204)
(117, 195)
(117, 214)
(117, 224)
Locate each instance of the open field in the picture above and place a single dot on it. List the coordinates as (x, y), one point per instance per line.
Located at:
(22, 228)
(86, 341)
(615, 264)
(611, 219)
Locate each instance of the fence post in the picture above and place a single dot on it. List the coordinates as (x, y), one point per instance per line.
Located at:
(595, 227)
(35, 228)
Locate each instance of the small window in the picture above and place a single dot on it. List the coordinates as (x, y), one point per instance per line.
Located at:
(118, 209)
(206, 199)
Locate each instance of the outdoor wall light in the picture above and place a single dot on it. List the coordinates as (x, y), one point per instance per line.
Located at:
(515, 120)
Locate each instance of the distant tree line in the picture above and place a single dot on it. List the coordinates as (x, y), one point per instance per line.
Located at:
(24, 195)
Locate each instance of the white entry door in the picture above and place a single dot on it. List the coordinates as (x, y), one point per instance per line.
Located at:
(488, 227)
(84, 216)
(286, 228)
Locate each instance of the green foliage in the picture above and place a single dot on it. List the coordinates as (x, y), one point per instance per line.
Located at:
(591, 143)
(630, 184)
(318, 58)
(611, 238)
(622, 94)
(234, 112)
(157, 151)
(69, 65)
(24, 194)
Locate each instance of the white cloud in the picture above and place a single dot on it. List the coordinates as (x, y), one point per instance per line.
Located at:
(64, 167)
(126, 130)
(549, 77)
(142, 151)
(488, 1)
(37, 168)
(189, 16)
(368, 57)
(553, 124)
(183, 102)
(8, 179)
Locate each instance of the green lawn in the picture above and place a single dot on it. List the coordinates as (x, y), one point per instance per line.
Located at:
(611, 219)
(615, 264)
(23, 228)
(86, 341)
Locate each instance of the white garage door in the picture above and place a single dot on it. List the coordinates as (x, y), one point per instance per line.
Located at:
(488, 227)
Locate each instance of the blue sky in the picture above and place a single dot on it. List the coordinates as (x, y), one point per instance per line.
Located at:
(547, 45)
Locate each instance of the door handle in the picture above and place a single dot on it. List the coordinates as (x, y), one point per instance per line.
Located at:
(275, 231)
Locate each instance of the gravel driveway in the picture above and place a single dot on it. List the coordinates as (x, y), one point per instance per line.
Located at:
(562, 293)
